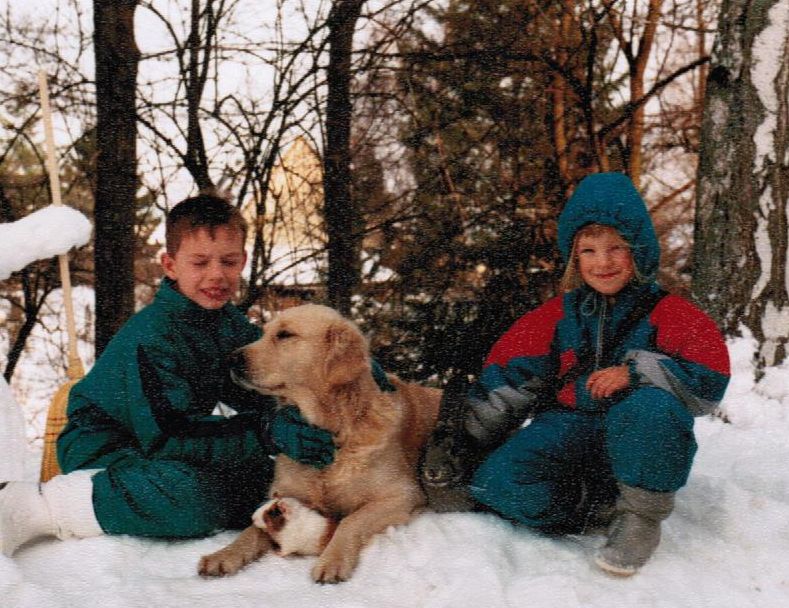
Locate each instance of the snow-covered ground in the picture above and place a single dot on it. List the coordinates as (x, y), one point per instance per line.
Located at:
(727, 544)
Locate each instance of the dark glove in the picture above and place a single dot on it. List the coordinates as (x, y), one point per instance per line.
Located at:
(451, 455)
(379, 375)
(293, 436)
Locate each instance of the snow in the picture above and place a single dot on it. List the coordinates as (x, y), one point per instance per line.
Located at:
(774, 323)
(43, 365)
(42, 234)
(727, 543)
(12, 435)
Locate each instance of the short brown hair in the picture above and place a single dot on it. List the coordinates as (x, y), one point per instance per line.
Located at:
(571, 279)
(203, 211)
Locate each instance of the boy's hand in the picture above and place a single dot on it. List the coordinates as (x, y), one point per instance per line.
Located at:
(299, 440)
(605, 382)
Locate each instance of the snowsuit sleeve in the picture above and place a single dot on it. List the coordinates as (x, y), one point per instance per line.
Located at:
(93, 440)
(691, 361)
(156, 428)
(515, 378)
(152, 393)
(198, 437)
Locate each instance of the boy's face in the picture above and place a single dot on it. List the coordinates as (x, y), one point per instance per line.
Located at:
(605, 262)
(207, 270)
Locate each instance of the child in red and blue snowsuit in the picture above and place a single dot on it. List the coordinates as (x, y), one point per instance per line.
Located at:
(615, 370)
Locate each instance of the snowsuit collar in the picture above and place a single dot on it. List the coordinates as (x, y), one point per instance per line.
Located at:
(589, 302)
(602, 327)
(173, 300)
(611, 199)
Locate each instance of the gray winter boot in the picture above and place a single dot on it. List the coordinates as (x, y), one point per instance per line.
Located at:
(635, 531)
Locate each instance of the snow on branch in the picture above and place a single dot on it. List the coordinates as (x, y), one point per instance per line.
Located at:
(43, 234)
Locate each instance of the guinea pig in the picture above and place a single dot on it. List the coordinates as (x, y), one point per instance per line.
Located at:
(294, 528)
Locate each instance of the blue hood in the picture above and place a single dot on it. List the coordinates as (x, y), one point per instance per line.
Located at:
(612, 199)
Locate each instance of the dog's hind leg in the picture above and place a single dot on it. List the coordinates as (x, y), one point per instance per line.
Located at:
(251, 544)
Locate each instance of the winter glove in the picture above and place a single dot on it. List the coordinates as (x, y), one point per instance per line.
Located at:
(293, 436)
(379, 375)
(451, 455)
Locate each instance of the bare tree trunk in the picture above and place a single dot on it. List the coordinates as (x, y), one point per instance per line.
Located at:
(340, 212)
(196, 158)
(117, 57)
(637, 59)
(637, 73)
(740, 255)
(700, 79)
(559, 92)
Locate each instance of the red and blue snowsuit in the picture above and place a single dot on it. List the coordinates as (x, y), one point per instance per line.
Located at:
(576, 448)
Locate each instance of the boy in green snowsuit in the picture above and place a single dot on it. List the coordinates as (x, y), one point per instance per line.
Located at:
(149, 448)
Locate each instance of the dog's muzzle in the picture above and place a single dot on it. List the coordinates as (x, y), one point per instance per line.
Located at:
(237, 363)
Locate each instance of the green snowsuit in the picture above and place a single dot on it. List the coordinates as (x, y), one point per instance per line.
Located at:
(169, 467)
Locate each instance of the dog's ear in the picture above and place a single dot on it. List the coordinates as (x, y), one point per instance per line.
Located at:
(346, 354)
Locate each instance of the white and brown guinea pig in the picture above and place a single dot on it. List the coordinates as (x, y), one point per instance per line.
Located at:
(294, 527)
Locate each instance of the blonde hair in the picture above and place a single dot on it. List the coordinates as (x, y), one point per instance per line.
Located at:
(571, 279)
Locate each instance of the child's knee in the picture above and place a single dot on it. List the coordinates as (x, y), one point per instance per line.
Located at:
(491, 482)
(158, 499)
(533, 503)
(650, 410)
(527, 505)
(650, 440)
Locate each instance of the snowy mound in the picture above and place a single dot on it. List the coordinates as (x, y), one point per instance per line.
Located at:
(726, 544)
(43, 234)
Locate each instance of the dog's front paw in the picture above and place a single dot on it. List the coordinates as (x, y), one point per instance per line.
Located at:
(250, 545)
(222, 563)
(334, 567)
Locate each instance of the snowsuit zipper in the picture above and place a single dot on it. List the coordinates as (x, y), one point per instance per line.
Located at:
(598, 352)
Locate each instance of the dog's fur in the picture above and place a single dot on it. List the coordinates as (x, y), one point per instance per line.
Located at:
(312, 357)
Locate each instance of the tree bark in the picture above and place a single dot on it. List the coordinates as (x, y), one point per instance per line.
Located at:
(117, 57)
(196, 158)
(340, 212)
(637, 73)
(740, 251)
(559, 92)
(637, 59)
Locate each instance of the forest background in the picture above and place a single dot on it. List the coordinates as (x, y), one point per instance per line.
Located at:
(402, 160)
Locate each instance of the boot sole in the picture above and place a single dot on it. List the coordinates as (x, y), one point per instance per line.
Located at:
(622, 571)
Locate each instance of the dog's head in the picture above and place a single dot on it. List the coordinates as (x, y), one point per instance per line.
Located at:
(306, 353)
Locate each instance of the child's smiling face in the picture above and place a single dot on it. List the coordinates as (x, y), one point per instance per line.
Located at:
(208, 270)
(605, 261)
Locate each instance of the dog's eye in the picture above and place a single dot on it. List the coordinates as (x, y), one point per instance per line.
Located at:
(284, 334)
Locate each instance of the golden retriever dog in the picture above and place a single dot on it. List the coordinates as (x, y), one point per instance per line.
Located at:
(314, 358)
